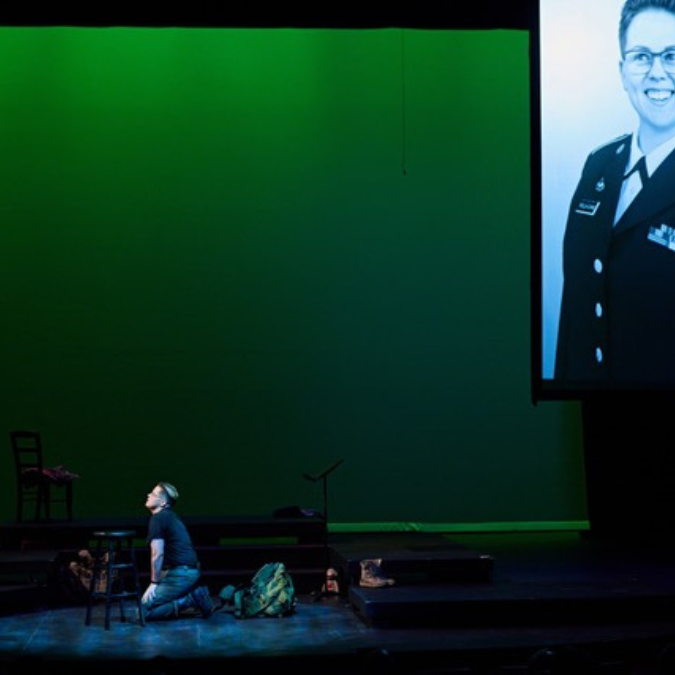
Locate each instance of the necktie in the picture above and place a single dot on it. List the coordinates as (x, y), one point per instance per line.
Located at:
(631, 186)
(641, 168)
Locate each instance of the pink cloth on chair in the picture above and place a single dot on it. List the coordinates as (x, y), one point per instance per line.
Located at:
(58, 475)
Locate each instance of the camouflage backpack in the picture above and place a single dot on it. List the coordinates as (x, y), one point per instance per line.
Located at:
(270, 593)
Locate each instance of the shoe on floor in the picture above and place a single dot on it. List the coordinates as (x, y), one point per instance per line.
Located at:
(203, 600)
(372, 576)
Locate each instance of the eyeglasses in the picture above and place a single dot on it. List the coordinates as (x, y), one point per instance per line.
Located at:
(641, 61)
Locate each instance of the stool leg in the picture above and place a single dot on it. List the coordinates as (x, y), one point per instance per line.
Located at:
(122, 584)
(96, 575)
(137, 584)
(109, 582)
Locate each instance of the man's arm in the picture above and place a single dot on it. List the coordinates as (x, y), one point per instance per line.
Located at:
(156, 560)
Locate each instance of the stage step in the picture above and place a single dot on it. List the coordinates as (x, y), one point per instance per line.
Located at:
(26, 578)
(250, 556)
(22, 597)
(204, 530)
(234, 564)
(508, 604)
(421, 559)
(231, 550)
(441, 583)
(305, 580)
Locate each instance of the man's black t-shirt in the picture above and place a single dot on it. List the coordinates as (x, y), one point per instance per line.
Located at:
(178, 548)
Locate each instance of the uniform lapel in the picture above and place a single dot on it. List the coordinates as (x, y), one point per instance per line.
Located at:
(657, 194)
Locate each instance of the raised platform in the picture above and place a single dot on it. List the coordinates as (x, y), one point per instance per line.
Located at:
(494, 605)
(410, 558)
(442, 582)
(439, 580)
(33, 555)
(429, 570)
(204, 530)
(612, 602)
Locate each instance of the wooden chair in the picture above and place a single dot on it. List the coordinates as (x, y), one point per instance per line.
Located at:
(37, 483)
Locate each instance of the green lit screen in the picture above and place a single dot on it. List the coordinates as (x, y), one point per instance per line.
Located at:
(231, 256)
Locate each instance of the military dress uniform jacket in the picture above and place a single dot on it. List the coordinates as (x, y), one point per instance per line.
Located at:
(617, 320)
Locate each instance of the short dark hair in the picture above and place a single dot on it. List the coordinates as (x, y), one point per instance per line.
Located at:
(169, 491)
(631, 8)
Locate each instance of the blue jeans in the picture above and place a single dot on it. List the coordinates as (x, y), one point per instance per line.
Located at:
(176, 584)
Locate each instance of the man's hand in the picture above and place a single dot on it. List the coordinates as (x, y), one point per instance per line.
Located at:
(150, 593)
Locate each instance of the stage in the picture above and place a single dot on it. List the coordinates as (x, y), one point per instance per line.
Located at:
(462, 604)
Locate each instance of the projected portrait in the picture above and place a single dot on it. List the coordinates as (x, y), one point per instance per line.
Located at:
(616, 285)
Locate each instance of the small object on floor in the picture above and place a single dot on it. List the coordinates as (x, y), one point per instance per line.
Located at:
(270, 593)
(331, 585)
(372, 575)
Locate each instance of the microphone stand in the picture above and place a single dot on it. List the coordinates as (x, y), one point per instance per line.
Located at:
(323, 477)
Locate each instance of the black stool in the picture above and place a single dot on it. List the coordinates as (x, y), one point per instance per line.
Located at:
(115, 575)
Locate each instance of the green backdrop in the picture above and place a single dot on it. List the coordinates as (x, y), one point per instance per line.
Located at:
(233, 256)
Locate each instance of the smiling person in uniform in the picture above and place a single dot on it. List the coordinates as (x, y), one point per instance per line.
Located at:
(617, 319)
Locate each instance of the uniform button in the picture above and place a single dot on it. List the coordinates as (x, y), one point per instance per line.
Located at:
(597, 265)
(598, 354)
(598, 309)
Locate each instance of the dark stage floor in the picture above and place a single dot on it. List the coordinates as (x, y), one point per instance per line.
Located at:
(608, 604)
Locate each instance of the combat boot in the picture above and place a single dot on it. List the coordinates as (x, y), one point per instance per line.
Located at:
(372, 576)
